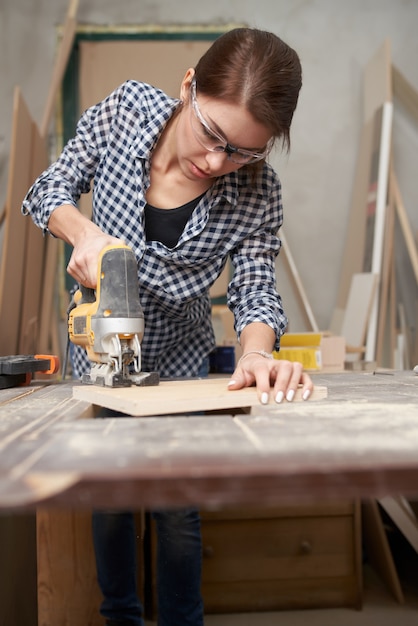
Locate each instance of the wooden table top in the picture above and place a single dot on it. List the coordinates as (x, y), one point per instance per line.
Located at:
(360, 441)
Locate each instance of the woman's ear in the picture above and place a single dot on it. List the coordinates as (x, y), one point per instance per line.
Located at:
(185, 84)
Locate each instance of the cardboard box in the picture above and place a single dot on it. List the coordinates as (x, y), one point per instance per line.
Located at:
(316, 351)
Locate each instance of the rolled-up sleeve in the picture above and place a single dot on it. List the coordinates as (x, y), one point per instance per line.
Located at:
(71, 175)
(252, 294)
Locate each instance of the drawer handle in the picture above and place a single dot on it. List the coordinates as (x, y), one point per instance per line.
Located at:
(208, 552)
(305, 547)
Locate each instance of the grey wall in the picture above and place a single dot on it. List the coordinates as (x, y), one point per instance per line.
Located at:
(335, 39)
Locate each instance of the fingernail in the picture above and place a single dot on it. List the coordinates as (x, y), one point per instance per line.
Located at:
(290, 395)
(279, 397)
(264, 397)
(306, 394)
(232, 382)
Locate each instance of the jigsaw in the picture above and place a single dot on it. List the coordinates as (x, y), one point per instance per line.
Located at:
(109, 322)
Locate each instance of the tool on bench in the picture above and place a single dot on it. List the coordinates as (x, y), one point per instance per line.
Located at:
(18, 369)
(109, 322)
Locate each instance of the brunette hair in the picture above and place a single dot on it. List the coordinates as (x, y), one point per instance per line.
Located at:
(257, 69)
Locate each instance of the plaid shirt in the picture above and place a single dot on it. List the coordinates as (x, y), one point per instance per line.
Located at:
(236, 217)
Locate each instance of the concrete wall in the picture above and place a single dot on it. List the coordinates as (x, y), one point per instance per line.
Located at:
(335, 39)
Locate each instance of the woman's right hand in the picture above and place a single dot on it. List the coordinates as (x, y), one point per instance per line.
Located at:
(87, 239)
(83, 263)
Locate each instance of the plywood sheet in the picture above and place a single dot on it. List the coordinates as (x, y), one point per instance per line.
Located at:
(180, 396)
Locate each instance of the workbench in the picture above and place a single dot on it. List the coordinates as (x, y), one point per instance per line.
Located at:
(362, 439)
(59, 459)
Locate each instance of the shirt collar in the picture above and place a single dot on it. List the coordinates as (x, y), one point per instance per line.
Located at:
(152, 124)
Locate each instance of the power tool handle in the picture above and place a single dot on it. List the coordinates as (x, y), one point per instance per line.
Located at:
(87, 294)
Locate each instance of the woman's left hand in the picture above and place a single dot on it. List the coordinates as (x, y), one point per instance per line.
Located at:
(274, 377)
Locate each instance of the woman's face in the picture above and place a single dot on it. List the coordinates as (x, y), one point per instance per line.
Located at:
(206, 124)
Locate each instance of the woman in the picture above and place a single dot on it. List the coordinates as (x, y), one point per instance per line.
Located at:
(186, 185)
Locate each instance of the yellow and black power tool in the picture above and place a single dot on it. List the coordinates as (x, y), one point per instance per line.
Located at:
(109, 322)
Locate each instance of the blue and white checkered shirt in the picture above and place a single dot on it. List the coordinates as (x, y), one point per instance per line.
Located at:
(236, 217)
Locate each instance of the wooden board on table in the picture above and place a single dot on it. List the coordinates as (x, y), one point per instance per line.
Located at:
(179, 396)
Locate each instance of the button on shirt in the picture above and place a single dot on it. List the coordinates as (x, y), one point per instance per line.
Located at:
(237, 217)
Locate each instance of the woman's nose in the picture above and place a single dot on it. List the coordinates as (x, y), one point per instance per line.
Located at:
(216, 160)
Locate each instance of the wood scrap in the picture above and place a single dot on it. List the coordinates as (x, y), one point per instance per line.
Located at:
(179, 396)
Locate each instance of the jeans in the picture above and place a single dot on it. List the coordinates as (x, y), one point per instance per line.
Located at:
(179, 564)
(179, 561)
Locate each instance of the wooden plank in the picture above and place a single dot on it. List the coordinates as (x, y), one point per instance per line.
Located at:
(378, 550)
(352, 261)
(297, 284)
(377, 88)
(392, 315)
(48, 315)
(60, 65)
(33, 259)
(402, 515)
(171, 397)
(388, 260)
(380, 219)
(14, 239)
(66, 562)
(406, 227)
(378, 81)
(362, 290)
(405, 92)
(406, 267)
(48, 312)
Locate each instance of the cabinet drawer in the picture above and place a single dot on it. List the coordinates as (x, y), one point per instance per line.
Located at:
(277, 548)
(284, 558)
(280, 558)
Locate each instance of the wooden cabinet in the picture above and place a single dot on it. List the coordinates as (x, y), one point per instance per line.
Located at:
(253, 560)
(279, 558)
(282, 558)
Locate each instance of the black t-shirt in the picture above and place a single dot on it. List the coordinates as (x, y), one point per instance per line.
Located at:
(167, 225)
